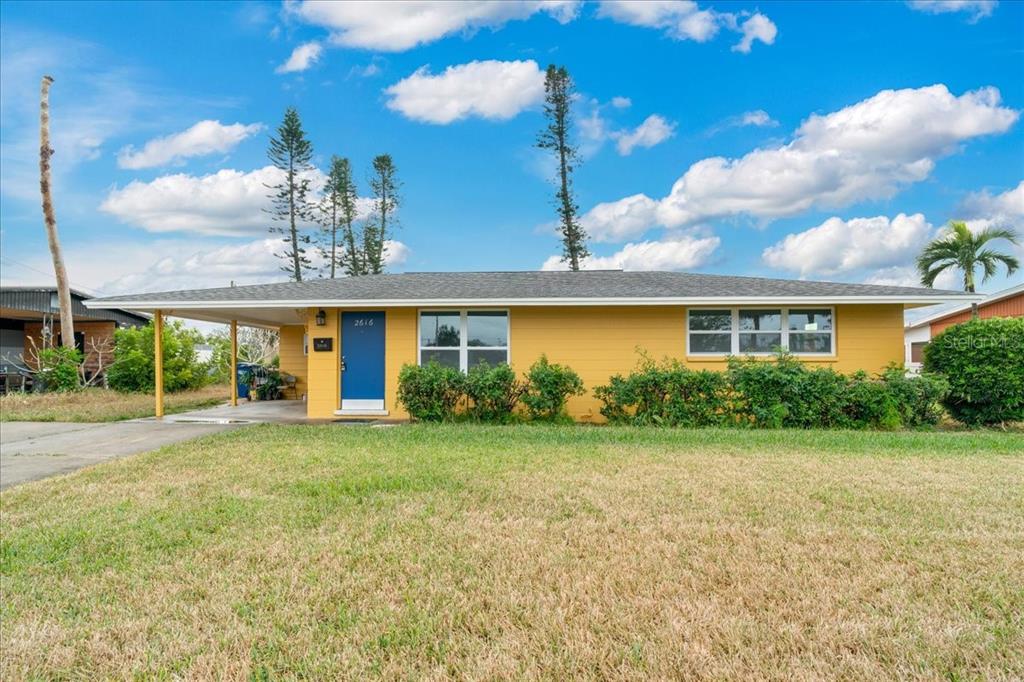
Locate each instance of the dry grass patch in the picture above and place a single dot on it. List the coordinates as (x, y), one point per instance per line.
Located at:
(479, 553)
(102, 404)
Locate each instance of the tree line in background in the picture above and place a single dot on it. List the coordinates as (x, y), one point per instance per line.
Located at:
(347, 244)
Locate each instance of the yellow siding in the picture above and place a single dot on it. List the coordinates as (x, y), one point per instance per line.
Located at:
(402, 347)
(868, 337)
(324, 369)
(598, 342)
(293, 361)
(595, 341)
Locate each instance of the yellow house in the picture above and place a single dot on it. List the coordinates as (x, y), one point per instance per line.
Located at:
(346, 339)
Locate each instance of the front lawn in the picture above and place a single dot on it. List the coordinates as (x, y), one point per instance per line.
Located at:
(345, 552)
(103, 405)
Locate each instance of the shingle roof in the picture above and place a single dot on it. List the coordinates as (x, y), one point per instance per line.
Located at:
(529, 285)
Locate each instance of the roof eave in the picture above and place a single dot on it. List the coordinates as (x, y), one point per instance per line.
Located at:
(143, 304)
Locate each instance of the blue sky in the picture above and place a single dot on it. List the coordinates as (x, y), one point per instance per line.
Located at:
(815, 140)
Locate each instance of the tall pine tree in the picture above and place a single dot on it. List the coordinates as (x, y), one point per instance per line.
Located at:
(556, 137)
(352, 257)
(291, 153)
(384, 184)
(337, 213)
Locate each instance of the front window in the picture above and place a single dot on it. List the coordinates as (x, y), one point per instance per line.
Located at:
(760, 331)
(463, 339)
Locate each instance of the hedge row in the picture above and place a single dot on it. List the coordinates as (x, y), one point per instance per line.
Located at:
(434, 392)
(974, 370)
(776, 393)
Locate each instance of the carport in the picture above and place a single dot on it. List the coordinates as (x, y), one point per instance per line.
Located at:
(263, 317)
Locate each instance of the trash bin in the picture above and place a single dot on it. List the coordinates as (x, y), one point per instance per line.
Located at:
(245, 370)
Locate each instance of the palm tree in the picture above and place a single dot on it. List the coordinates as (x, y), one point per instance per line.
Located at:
(963, 249)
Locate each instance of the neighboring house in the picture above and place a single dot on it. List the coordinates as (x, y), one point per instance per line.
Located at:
(30, 321)
(362, 330)
(924, 324)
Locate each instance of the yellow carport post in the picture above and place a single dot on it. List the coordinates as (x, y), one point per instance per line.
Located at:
(158, 361)
(234, 363)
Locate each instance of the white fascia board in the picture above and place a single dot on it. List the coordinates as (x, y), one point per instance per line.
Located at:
(143, 304)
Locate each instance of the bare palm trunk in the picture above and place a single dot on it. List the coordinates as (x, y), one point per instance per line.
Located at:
(67, 325)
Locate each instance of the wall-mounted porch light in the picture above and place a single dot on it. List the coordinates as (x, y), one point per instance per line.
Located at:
(321, 318)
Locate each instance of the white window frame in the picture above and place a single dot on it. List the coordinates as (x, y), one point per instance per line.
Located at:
(463, 346)
(734, 332)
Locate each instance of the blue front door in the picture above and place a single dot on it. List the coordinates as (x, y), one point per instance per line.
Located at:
(362, 357)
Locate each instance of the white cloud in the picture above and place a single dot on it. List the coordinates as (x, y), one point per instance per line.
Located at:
(205, 137)
(869, 150)
(401, 25)
(670, 254)
(1006, 208)
(840, 246)
(489, 89)
(94, 100)
(622, 102)
(685, 20)
(228, 202)
(978, 9)
(124, 267)
(756, 27)
(302, 57)
(758, 118)
(907, 276)
(620, 220)
(653, 131)
(681, 20)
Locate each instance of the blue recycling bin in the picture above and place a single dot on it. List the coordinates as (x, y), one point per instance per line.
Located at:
(245, 370)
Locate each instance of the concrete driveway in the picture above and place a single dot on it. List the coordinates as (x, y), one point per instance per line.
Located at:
(34, 450)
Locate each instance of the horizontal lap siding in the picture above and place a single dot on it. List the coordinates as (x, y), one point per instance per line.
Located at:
(401, 349)
(868, 337)
(323, 368)
(1008, 307)
(597, 342)
(293, 361)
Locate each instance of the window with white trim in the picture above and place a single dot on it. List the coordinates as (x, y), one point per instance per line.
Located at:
(463, 338)
(760, 331)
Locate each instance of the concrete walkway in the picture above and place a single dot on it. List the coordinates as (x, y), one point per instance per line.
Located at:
(33, 450)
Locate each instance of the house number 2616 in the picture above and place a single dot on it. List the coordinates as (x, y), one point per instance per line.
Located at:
(364, 322)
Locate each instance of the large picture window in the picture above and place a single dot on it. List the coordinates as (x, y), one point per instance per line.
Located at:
(463, 339)
(760, 331)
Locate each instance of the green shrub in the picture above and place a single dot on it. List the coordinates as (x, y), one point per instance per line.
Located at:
(494, 392)
(767, 394)
(58, 368)
(775, 393)
(983, 360)
(548, 386)
(133, 366)
(919, 398)
(869, 404)
(668, 394)
(430, 392)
